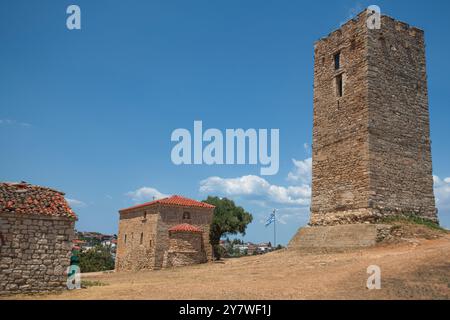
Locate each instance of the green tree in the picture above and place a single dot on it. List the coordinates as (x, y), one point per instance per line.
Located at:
(237, 241)
(228, 219)
(98, 258)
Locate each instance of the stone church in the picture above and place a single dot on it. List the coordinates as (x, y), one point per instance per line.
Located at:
(371, 131)
(168, 232)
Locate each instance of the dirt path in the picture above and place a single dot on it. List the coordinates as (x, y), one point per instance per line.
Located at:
(419, 270)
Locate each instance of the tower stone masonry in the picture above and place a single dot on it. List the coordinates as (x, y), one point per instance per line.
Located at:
(371, 132)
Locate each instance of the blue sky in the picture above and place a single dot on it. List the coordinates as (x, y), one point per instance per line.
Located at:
(91, 112)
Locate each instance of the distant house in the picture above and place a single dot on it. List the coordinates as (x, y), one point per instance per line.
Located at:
(251, 248)
(78, 242)
(264, 247)
(167, 232)
(241, 247)
(108, 243)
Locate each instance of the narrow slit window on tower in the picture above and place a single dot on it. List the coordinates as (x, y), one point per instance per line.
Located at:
(125, 239)
(337, 61)
(142, 238)
(339, 85)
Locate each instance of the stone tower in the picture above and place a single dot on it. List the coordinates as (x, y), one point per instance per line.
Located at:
(371, 136)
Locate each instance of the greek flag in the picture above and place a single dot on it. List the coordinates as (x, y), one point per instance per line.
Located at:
(270, 219)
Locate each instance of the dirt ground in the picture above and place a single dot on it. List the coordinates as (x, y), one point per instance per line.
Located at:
(417, 269)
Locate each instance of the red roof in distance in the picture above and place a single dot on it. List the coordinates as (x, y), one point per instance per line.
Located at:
(173, 201)
(185, 227)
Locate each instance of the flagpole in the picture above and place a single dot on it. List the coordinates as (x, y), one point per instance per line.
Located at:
(274, 229)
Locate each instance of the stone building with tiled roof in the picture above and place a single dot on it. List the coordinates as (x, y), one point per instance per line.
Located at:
(167, 232)
(36, 233)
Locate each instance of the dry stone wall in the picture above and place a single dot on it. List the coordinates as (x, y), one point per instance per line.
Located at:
(34, 253)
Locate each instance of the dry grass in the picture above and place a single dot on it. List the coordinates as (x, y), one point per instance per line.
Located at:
(418, 269)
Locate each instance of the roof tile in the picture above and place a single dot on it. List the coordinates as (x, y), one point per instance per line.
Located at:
(24, 198)
(185, 227)
(172, 201)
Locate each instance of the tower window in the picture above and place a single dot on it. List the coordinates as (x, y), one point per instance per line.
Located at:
(339, 85)
(142, 238)
(337, 61)
(125, 239)
(145, 214)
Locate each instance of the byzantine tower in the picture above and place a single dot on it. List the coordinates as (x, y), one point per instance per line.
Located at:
(371, 132)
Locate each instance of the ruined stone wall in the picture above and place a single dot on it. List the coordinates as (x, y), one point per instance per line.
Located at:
(340, 173)
(371, 146)
(131, 253)
(35, 252)
(399, 131)
(171, 216)
(185, 248)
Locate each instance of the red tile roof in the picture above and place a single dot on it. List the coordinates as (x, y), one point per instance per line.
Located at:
(24, 198)
(185, 227)
(173, 201)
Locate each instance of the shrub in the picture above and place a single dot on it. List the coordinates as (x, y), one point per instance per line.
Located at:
(96, 259)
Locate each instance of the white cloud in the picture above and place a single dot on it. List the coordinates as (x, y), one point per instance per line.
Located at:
(75, 203)
(256, 188)
(307, 148)
(442, 192)
(292, 201)
(9, 122)
(287, 215)
(301, 172)
(145, 194)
